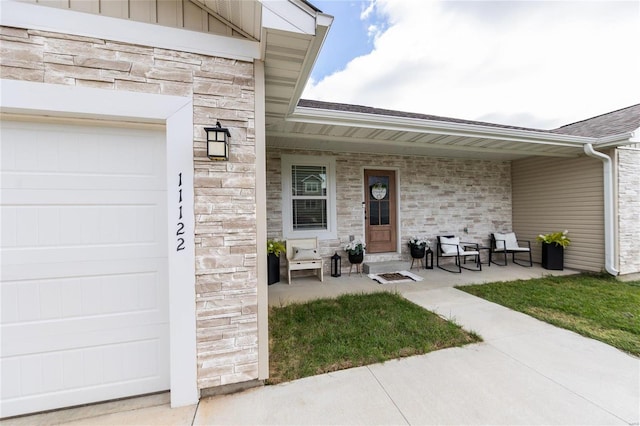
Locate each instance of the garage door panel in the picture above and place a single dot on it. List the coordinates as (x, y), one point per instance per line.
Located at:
(84, 291)
(95, 332)
(33, 151)
(81, 375)
(89, 262)
(82, 297)
(130, 218)
(92, 182)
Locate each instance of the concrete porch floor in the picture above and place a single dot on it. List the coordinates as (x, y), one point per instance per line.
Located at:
(524, 372)
(307, 288)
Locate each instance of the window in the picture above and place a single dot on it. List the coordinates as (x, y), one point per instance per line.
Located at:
(308, 197)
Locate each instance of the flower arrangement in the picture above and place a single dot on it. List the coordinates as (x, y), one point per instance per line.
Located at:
(557, 238)
(355, 247)
(419, 241)
(276, 247)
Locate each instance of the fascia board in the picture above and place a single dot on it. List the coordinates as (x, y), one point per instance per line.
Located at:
(32, 16)
(342, 118)
(287, 16)
(621, 139)
(323, 25)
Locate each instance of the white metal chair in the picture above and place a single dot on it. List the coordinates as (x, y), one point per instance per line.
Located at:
(450, 246)
(502, 244)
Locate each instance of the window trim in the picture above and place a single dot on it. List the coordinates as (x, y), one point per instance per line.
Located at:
(287, 161)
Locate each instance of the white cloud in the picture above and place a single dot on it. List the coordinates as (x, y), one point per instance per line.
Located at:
(532, 64)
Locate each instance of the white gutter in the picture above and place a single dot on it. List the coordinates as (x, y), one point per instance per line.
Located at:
(309, 115)
(609, 230)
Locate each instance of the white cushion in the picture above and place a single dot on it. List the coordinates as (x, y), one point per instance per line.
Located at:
(449, 245)
(509, 240)
(469, 253)
(305, 254)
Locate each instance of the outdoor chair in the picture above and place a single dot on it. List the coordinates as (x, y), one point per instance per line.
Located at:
(503, 244)
(303, 253)
(450, 246)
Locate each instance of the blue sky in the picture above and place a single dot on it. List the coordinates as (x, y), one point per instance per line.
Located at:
(537, 64)
(347, 39)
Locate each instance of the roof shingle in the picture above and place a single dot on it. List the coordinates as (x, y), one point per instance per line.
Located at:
(612, 123)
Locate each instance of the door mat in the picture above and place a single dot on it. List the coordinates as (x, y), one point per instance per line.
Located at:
(395, 277)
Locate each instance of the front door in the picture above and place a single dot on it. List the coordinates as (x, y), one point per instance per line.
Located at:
(380, 214)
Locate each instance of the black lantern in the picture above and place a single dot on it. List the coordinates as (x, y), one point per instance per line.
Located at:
(218, 142)
(336, 265)
(428, 259)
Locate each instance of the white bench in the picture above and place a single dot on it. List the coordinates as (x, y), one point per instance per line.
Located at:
(303, 253)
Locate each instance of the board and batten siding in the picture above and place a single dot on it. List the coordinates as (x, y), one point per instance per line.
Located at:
(554, 194)
(170, 13)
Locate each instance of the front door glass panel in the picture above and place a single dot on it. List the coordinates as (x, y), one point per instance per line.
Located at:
(379, 200)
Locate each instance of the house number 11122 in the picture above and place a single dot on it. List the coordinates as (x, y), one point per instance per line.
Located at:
(180, 230)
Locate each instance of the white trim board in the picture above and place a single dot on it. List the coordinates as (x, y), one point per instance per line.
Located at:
(19, 97)
(32, 16)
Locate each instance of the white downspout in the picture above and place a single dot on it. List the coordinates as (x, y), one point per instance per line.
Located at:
(609, 230)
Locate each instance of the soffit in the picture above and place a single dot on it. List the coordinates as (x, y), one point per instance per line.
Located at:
(291, 34)
(286, 68)
(342, 131)
(289, 57)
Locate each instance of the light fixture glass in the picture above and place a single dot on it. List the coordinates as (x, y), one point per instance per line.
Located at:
(218, 142)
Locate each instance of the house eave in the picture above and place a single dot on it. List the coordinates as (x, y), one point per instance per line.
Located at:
(290, 52)
(341, 118)
(621, 139)
(347, 131)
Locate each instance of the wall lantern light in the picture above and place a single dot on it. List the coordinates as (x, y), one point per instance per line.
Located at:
(336, 265)
(218, 142)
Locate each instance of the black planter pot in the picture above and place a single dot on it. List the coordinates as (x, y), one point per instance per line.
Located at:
(418, 252)
(552, 257)
(273, 268)
(356, 258)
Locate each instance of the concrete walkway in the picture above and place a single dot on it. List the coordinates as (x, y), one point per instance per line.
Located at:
(525, 372)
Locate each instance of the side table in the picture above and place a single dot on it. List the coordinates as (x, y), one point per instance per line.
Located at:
(480, 249)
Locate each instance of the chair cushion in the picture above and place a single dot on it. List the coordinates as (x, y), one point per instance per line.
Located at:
(509, 240)
(449, 245)
(305, 254)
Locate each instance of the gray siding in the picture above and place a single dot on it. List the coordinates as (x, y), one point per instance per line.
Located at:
(554, 194)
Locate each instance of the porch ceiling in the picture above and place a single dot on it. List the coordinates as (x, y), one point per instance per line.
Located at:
(411, 134)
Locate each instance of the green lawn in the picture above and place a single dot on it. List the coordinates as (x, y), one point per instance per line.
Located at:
(599, 307)
(353, 330)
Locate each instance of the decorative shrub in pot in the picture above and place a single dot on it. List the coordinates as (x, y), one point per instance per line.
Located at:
(553, 245)
(274, 249)
(355, 251)
(418, 246)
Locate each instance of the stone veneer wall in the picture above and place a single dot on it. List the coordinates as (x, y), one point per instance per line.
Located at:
(225, 206)
(437, 196)
(629, 209)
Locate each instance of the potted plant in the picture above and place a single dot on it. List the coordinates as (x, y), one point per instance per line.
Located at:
(553, 246)
(274, 249)
(418, 246)
(355, 250)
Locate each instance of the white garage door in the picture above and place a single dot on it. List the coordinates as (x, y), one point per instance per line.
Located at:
(84, 291)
